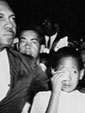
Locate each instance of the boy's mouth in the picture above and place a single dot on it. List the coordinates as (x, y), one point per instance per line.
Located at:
(66, 85)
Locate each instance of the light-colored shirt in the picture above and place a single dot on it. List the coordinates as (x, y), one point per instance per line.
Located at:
(53, 37)
(4, 74)
(73, 102)
(26, 108)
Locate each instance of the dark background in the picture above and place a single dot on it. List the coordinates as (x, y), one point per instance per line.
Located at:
(69, 14)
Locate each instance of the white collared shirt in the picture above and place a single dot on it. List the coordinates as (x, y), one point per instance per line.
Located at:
(73, 102)
(52, 39)
(4, 74)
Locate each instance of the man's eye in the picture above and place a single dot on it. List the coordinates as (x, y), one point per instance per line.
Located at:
(13, 18)
(22, 41)
(1, 17)
(34, 42)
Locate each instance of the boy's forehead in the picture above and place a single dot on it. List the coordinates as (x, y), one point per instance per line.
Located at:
(68, 60)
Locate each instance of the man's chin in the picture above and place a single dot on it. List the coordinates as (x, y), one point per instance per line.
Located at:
(4, 45)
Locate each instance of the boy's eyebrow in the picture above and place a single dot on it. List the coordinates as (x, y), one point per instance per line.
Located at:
(74, 67)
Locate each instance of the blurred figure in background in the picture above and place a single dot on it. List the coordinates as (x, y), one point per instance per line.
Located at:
(82, 51)
(51, 30)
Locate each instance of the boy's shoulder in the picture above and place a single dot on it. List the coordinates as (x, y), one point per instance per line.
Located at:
(82, 90)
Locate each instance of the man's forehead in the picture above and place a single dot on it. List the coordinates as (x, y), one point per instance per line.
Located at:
(3, 3)
(5, 7)
(30, 34)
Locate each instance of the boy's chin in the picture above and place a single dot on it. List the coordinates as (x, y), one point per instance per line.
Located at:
(66, 90)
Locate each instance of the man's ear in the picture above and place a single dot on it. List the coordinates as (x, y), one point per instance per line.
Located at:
(17, 46)
(53, 71)
(42, 47)
(81, 74)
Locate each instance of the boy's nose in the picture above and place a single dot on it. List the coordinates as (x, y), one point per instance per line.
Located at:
(66, 76)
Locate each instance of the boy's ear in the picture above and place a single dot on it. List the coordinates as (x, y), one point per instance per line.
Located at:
(81, 74)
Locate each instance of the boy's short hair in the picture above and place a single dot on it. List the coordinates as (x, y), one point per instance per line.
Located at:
(65, 52)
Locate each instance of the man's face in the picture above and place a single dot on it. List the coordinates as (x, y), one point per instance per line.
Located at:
(29, 43)
(7, 25)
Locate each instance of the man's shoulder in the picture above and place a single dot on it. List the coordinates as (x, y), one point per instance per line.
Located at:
(17, 58)
(18, 55)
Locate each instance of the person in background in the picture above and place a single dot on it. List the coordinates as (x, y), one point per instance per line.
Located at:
(82, 51)
(30, 44)
(20, 76)
(51, 31)
(67, 70)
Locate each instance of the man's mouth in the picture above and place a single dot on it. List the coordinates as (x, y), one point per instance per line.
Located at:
(9, 33)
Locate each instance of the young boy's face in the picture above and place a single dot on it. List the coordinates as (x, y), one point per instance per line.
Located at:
(70, 72)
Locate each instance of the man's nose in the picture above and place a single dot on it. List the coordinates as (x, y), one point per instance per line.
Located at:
(28, 45)
(8, 25)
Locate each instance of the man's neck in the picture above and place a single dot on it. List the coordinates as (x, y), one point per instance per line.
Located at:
(38, 61)
(4, 46)
(1, 49)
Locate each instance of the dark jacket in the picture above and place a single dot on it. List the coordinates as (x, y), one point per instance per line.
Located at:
(26, 80)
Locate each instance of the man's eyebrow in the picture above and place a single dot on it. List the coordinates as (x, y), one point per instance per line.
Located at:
(13, 15)
(22, 38)
(1, 13)
(36, 39)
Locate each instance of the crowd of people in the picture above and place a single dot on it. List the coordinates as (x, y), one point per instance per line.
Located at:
(40, 71)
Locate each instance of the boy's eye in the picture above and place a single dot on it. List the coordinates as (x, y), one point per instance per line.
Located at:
(74, 71)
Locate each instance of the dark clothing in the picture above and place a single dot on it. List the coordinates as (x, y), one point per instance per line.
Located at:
(26, 80)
